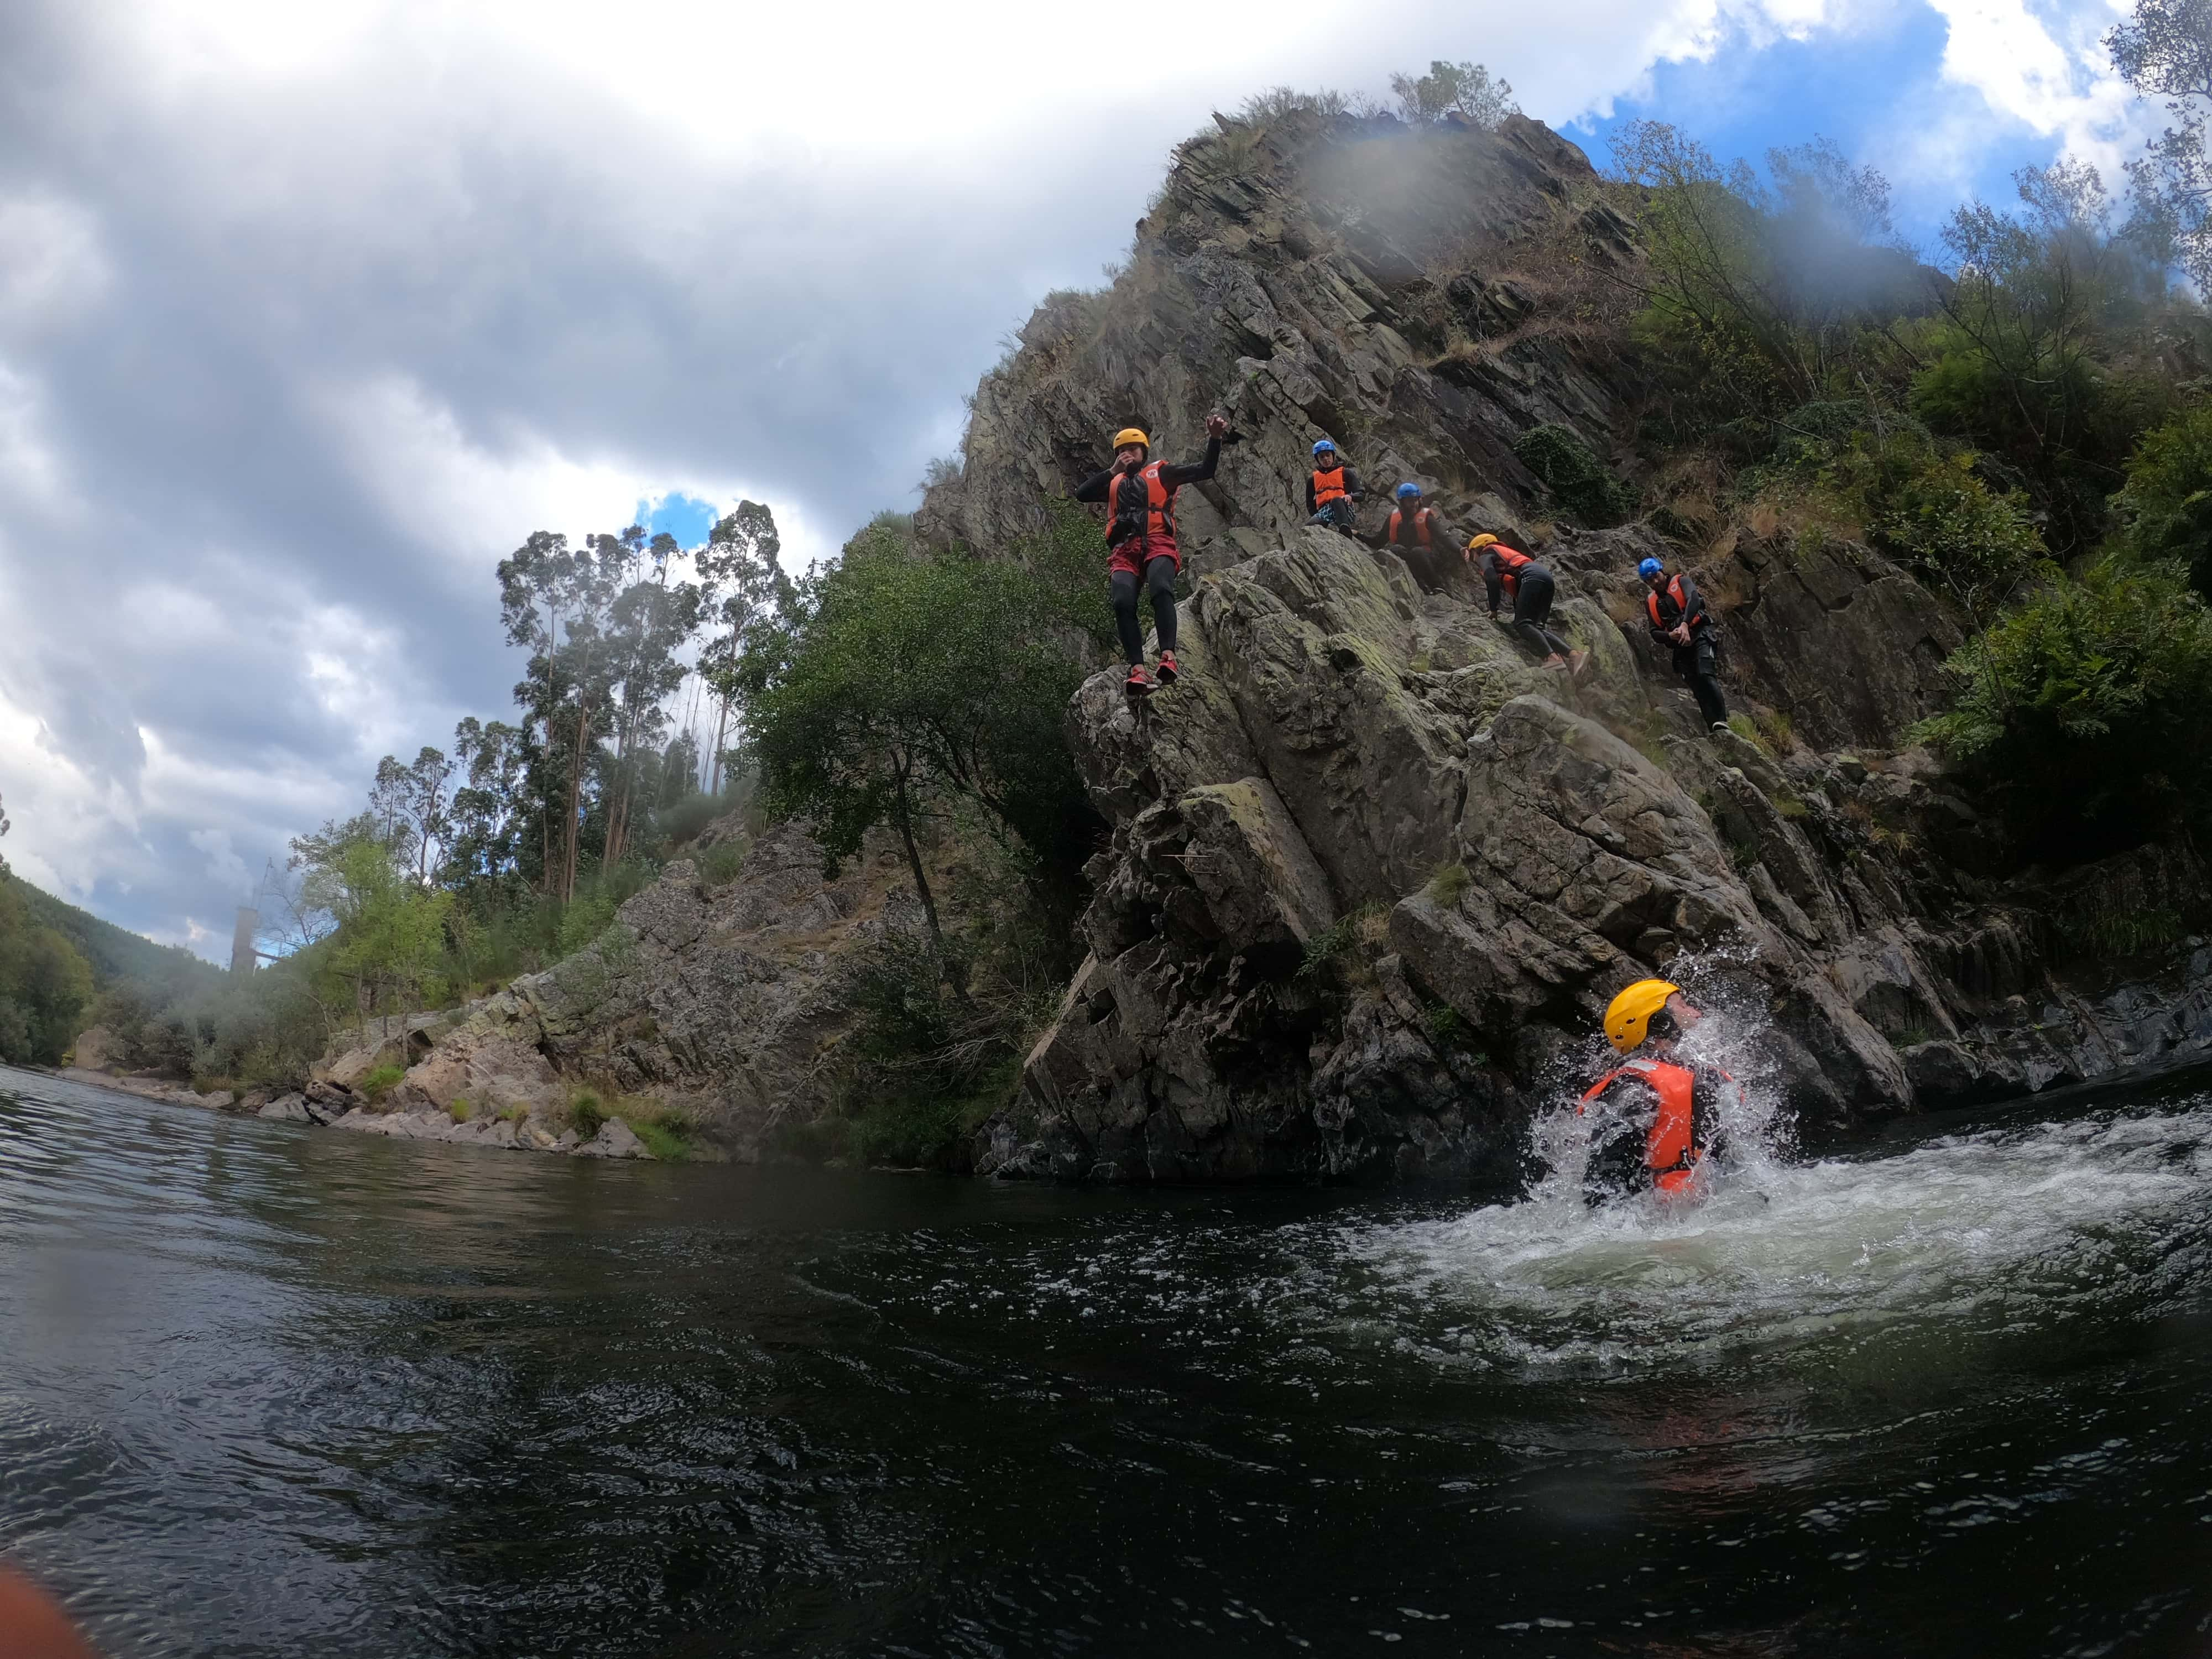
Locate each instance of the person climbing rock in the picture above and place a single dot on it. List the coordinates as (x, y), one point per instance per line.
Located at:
(1509, 573)
(1140, 539)
(1656, 1116)
(1680, 622)
(1334, 491)
(1417, 535)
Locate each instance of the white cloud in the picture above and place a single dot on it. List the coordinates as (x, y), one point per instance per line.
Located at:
(53, 268)
(2045, 69)
(474, 501)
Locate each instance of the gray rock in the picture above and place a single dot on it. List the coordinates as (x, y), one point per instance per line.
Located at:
(614, 1139)
(287, 1109)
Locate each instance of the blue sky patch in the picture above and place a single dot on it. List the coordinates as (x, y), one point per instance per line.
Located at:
(686, 520)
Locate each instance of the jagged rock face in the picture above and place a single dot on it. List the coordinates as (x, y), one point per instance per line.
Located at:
(1348, 759)
(1488, 873)
(1343, 279)
(1532, 862)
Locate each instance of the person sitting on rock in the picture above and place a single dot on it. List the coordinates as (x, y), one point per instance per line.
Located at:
(1417, 535)
(1507, 572)
(1656, 1118)
(1140, 539)
(1680, 622)
(1334, 491)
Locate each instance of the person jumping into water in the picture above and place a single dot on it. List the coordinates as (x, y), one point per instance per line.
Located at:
(1332, 491)
(1659, 1117)
(1140, 539)
(1680, 622)
(1507, 572)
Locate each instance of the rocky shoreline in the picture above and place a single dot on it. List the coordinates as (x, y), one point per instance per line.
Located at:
(613, 1139)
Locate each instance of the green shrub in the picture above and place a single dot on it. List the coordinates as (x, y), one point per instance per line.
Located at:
(460, 1110)
(2165, 511)
(1578, 480)
(381, 1080)
(1450, 884)
(722, 863)
(2084, 707)
(587, 1113)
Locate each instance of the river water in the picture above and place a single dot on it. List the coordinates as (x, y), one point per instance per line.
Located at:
(268, 1390)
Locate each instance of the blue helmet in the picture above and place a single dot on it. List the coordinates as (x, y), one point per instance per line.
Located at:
(1406, 489)
(1649, 569)
(1323, 445)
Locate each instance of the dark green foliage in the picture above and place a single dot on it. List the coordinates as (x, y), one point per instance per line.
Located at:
(381, 1080)
(2083, 709)
(1578, 480)
(906, 680)
(44, 982)
(2165, 512)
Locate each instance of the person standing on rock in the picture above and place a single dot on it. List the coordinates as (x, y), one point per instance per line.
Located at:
(1140, 539)
(1657, 1117)
(1417, 535)
(1680, 622)
(1334, 489)
(1509, 573)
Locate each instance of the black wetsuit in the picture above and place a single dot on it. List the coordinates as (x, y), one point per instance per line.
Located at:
(1532, 592)
(1153, 554)
(1621, 1134)
(1430, 564)
(1695, 662)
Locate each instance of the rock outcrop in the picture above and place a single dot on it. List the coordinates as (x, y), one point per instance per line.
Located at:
(721, 1005)
(1373, 873)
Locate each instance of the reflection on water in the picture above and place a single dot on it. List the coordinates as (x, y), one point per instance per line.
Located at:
(268, 1390)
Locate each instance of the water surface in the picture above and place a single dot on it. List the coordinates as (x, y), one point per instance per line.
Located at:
(268, 1390)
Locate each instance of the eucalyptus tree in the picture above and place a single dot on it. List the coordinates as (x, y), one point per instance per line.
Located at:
(742, 583)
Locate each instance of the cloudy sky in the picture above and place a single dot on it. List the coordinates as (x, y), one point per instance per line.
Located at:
(309, 314)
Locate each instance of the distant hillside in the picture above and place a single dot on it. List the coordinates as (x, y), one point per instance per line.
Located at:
(115, 953)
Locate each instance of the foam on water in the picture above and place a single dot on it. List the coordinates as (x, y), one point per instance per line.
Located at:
(1976, 1232)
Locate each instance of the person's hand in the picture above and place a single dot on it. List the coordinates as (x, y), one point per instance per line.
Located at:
(1680, 634)
(1215, 425)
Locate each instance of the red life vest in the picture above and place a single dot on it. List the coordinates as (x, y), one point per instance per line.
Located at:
(1675, 594)
(1669, 1152)
(1158, 514)
(1329, 487)
(1423, 520)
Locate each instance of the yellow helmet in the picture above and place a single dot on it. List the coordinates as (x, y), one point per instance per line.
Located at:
(1480, 542)
(1129, 435)
(1628, 1016)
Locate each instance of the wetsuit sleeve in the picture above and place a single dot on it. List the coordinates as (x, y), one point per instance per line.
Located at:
(1312, 507)
(1352, 487)
(1708, 1093)
(1491, 584)
(1620, 1140)
(1093, 488)
(1175, 477)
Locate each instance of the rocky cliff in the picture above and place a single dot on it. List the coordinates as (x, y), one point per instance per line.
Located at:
(1375, 874)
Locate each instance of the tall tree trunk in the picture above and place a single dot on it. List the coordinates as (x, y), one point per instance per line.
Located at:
(721, 723)
(902, 815)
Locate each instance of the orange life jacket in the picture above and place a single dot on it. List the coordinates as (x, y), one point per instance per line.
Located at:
(1158, 514)
(1422, 521)
(1668, 1150)
(1675, 594)
(1510, 563)
(1329, 487)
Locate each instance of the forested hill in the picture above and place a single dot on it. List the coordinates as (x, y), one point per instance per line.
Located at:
(113, 953)
(55, 959)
